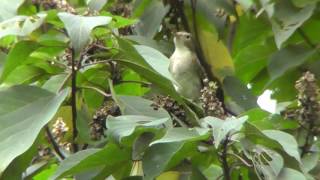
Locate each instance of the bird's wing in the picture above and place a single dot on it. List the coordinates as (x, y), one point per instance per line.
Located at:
(199, 68)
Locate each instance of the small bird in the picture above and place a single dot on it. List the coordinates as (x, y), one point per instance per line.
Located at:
(185, 67)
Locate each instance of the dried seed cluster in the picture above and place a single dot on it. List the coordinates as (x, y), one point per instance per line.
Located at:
(59, 129)
(309, 106)
(170, 105)
(61, 5)
(98, 124)
(209, 101)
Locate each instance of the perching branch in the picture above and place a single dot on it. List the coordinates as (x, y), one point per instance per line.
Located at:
(224, 160)
(54, 144)
(74, 101)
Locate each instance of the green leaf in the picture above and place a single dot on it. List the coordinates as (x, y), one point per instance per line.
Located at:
(309, 161)
(251, 60)
(220, 128)
(47, 173)
(122, 126)
(23, 112)
(287, 58)
(80, 27)
(287, 142)
(239, 93)
(24, 74)
(303, 3)
(55, 82)
(151, 18)
(21, 25)
(158, 61)
(161, 45)
(96, 5)
(17, 55)
(9, 8)
(135, 105)
(287, 18)
(90, 159)
(289, 174)
(157, 157)
(265, 120)
(181, 134)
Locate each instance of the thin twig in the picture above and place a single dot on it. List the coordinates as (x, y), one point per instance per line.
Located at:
(54, 144)
(97, 90)
(241, 159)
(74, 101)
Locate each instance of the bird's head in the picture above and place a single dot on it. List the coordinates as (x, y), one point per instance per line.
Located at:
(183, 40)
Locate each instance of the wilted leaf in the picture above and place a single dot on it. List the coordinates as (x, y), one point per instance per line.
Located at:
(23, 112)
(80, 27)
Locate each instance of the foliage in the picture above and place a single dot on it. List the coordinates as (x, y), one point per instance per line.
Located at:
(86, 92)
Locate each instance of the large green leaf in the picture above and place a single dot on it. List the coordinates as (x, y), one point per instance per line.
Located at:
(135, 105)
(286, 18)
(288, 58)
(251, 60)
(155, 59)
(183, 134)
(157, 157)
(80, 27)
(91, 159)
(9, 8)
(151, 18)
(21, 25)
(239, 93)
(287, 142)
(220, 128)
(289, 174)
(24, 110)
(17, 56)
(123, 126)
(24, 74)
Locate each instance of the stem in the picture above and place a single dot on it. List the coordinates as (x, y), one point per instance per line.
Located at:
(54, 143)
(97, 90)
(224, 160)
(306, 38)
(74, 101)
(145, 84)
(305, 147)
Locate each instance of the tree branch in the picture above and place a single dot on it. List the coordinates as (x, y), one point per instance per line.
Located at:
(74, 101)
(54, 144)
(224, 160)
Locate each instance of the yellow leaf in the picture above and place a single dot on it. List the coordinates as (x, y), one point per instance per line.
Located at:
(169, 175)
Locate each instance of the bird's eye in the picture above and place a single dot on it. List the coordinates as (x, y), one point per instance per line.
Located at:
(188, 36)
